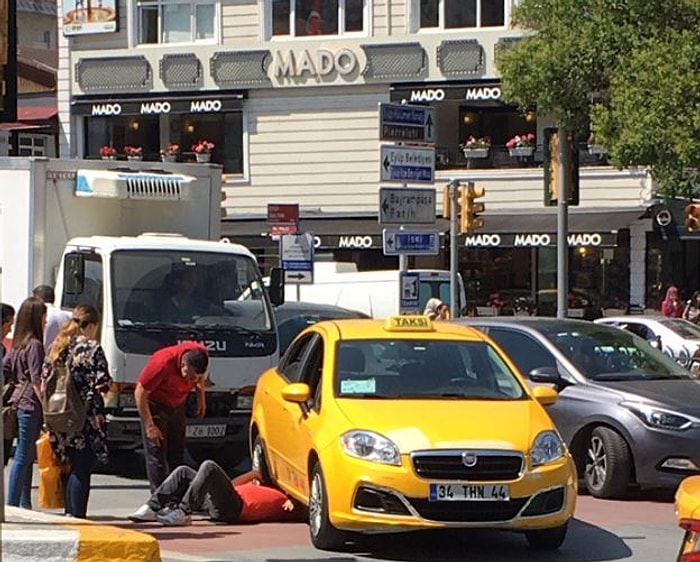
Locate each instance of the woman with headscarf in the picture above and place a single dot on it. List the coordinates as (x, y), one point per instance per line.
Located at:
(672, 305)
(435, 309)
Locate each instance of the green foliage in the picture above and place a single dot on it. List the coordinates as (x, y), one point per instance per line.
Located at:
(629, 69)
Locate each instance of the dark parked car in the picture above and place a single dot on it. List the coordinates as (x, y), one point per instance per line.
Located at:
(293, 316)
(629, 413)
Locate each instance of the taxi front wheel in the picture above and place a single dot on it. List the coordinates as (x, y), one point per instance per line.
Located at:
(324, 536)
(547, 539)
(259, 460)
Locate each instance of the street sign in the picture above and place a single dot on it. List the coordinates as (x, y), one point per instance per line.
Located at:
(407, 164)
(411, 242)
(282, 213)
(407, 123)
(297, 252)
(408, 297)
(406, 205)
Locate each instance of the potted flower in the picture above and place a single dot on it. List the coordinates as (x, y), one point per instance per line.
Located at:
(108, 152)
(133, 152)
(521, 145)
(170, 152)
(202, 150)
(475, 147)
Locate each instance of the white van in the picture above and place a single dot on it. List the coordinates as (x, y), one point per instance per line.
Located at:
(376, 293)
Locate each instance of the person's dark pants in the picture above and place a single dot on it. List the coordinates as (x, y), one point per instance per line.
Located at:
(209, 489)
(162, 459)
(83, 462)
(7, 450)
(19, 492)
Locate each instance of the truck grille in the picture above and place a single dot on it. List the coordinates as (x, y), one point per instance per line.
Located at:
(450, 465)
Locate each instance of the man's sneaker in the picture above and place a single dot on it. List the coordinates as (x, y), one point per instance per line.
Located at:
(175, 518)
(144, 514)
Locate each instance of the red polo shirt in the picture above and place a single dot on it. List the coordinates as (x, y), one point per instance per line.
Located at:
(262, 504)
(162, 376)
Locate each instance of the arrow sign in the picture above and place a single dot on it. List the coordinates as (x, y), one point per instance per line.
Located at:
(408, 123)
(300, 277)
(411, 242)
(407, 164)
(406, 205)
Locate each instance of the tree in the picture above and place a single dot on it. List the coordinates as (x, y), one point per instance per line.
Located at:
(628, 69)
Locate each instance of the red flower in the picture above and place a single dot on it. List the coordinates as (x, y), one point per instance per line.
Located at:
(203, 147)
(108, 150)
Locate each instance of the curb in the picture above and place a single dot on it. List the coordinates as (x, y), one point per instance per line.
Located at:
(30, 535)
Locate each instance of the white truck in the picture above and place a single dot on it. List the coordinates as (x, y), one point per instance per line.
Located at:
(376, 293)
(117, 235)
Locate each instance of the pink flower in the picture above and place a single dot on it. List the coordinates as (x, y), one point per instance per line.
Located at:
(203, 147)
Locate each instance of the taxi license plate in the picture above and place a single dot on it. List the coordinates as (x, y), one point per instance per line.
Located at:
(469, 492)
(206, 430)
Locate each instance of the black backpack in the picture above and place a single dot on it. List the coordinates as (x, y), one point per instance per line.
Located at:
(64, 409)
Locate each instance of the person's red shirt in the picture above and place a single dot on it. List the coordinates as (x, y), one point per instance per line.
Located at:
(262, 504)
(162, 376)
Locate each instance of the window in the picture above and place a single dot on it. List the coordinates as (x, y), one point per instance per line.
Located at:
(303, 18)
(33, 145)
(458, 14)
(524, 351)
(176, 21)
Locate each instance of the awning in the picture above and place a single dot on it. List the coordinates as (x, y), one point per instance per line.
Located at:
(474, 92)
(33, 117)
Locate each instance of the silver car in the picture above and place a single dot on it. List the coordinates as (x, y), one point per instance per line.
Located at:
(629, 414)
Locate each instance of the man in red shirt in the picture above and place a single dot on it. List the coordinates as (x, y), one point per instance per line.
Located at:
(241, 500)
(161, 392)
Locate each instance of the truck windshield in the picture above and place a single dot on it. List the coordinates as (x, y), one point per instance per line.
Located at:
(202, 289)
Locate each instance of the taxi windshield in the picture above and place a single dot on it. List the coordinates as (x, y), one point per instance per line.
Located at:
(423, 369)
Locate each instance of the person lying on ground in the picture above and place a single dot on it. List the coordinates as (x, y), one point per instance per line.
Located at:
(245, 499)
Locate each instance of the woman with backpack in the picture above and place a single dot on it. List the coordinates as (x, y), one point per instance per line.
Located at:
(76, 348)
(22, 367)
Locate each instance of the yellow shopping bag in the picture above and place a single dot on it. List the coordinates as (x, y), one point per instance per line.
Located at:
(51, 475)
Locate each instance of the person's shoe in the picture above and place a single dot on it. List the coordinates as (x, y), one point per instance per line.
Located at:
(144, 514)
(175, 518)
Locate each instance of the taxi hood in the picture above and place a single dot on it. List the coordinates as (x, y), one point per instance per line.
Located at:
(445, 424)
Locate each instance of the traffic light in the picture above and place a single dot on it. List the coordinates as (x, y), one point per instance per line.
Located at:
(470, 209)
(692, 217)
(446, 202)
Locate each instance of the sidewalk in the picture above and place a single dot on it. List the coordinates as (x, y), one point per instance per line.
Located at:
(35, 536)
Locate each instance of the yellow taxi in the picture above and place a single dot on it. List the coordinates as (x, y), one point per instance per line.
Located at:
(688, 512)
(408, 424)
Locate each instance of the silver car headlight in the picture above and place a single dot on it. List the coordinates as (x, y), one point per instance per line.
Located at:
(548, 447)
(370, 446)
(659, 418)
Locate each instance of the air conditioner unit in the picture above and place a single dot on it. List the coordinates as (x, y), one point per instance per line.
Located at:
(115, 184)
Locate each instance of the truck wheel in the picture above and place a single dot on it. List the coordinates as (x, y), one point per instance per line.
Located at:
(324, 536)
(608, 464)
(259, 460)
(547, 539)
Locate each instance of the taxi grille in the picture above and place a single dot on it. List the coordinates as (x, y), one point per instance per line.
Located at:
(468, 512)
(449, 465)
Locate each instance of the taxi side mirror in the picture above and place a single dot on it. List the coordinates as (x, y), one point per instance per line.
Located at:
(298, 392)
(545, 395)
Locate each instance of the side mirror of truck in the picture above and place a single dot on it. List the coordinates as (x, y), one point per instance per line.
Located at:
(74, 274)
(276, 288)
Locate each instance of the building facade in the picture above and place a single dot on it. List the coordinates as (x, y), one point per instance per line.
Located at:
(288, 92)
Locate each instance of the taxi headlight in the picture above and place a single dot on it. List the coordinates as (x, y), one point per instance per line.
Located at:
(370, 446)
(659, 418)
(547, 447)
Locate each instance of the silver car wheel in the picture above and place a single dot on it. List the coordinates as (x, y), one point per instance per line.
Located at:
(596, 462)
(316, 504)
(255, 461)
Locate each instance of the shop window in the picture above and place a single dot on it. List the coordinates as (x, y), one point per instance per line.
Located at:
(175, 21)
(459, 14)
(304, 18)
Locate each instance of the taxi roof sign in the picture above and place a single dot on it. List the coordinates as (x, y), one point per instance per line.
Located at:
(409, 323)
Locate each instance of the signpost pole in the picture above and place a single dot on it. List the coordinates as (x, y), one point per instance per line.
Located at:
(563, 181)
(454, 265)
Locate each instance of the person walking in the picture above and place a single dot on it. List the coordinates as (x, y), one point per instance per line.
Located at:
(55, 317)
(691, 312)
(7, 318)
(76, 347)
(22, 366)
(241, 500)
(161, 392)
(672, 306)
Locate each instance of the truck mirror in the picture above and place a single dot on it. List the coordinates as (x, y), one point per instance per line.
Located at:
(276, 288)
(74, 274)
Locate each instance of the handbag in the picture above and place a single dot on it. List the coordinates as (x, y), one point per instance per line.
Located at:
(52, 475)
(9, 411)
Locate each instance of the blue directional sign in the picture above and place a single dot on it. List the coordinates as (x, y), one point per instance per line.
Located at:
(410, 242)
(297, 251)
(407, 164)
(408, 123)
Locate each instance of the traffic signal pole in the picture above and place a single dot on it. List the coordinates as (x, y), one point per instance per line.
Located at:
(454, 260)
(563, 181)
